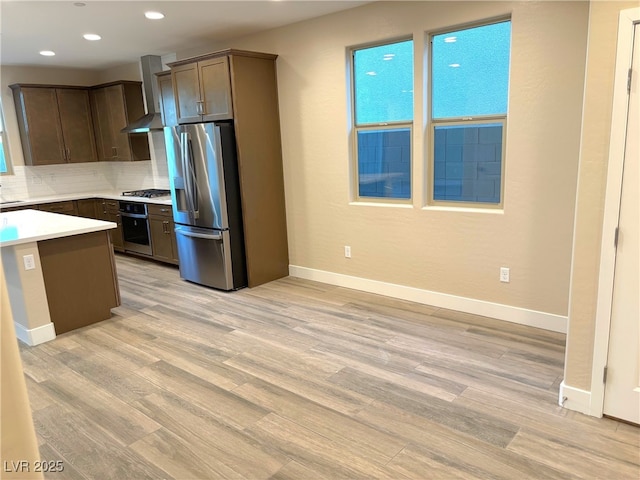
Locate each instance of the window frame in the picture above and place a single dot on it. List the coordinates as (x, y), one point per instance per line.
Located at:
(5, 145)
(377, 126)
(432, 124)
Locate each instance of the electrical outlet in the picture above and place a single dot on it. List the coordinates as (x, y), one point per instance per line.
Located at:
(29, 262)
(347, 251)
(504, 274)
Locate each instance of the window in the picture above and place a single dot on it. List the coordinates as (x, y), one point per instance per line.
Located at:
(382, 120)
(469, 92)
(4, 151)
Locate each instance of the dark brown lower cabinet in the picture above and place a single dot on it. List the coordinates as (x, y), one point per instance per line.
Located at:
(88, 207)
(163, 236)
(67, 207)
(109, 211)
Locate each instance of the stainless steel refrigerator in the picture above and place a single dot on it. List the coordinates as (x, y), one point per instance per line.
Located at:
(205, 192)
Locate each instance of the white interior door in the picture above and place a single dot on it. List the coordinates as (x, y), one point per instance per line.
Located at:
(622, 388)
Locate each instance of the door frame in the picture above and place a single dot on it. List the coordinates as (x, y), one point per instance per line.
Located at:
(626, 24)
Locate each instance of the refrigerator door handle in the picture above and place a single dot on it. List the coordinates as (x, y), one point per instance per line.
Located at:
(206, 236)
(192, 178)
(186, 174)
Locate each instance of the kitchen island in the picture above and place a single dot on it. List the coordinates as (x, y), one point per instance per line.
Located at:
(59, 270)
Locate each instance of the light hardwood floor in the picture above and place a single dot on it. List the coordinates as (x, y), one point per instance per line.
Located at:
(300, 380)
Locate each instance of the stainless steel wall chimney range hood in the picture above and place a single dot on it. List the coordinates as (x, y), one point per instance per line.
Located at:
(151, 64)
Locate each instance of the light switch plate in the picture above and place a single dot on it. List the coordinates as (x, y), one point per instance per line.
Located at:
(29, 262)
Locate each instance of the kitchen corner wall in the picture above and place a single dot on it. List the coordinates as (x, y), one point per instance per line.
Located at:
(49, 180)
(454, 254)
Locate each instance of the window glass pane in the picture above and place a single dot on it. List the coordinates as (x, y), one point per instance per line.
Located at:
(384, 163)
(3, 162)
(470, 71)
(383, 81)
(468, 163)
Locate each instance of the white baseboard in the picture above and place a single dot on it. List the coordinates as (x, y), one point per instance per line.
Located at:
(522, 316)
(35, 336)
(576, 399)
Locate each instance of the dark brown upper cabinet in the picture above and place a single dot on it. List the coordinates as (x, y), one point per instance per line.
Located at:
(55, 124)
(202, 90)
(167, 101)
(114, 106)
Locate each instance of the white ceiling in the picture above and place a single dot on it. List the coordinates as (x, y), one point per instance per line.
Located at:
(27, 27)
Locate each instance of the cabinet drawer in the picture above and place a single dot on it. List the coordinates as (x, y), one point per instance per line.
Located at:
(67, 207)
(110, 206)
(159, 210)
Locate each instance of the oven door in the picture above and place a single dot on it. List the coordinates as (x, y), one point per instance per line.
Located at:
(135, 232)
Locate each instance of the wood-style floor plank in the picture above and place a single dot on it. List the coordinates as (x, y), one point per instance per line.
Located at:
(322, 420)
(212, 437)
(298, 380)
(330, 456)
(568, 457)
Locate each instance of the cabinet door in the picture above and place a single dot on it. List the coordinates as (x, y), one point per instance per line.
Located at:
(102, 125)
(40, 129)
(167, 101)
(76, 122)
(116, 234)
(88, 208)
(160, 240)
(215, 89)
(186, 92)
(118, 120)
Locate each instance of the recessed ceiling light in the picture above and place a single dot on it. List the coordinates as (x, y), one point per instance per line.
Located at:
(454, 65)
(450, 39)
(153, 15)
(91, 36)
(47, 53)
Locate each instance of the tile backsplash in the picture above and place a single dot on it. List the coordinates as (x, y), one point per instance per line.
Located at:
(49, 180)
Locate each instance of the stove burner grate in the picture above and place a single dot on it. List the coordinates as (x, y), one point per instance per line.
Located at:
(148, 193)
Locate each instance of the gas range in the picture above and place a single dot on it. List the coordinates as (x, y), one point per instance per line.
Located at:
(148, 193)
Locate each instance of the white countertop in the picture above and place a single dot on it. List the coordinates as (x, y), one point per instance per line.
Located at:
(165, 200)
(24, 226)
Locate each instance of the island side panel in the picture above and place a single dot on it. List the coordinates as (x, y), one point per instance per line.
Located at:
(27, 294)
(80, 278)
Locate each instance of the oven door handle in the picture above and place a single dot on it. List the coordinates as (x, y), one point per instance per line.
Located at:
(134, 215)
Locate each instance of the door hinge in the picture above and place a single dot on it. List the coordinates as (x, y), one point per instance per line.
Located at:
(616, 236)
(629, 80)
(604, 374)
